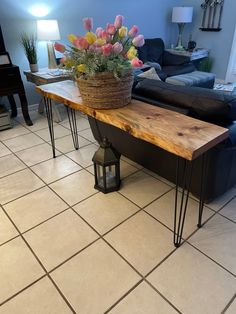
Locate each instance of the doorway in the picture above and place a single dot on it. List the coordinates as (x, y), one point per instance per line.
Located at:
(231, 70)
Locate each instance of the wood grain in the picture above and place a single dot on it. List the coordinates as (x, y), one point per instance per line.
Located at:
(174, 132)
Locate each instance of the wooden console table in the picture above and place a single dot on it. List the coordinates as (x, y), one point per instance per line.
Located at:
(176, 133)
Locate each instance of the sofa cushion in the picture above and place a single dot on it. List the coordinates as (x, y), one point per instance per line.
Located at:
(152, 50)
(195, 78)
(205, 104)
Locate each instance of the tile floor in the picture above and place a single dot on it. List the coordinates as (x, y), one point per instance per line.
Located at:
(66, 248)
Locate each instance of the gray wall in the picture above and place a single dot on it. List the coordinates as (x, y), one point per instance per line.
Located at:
(152, 16)
(218, 42)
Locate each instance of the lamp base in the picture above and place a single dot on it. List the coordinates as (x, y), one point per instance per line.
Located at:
(52, 63)
(179, 45)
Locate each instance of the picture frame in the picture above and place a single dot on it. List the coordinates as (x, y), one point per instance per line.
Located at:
(5, 59)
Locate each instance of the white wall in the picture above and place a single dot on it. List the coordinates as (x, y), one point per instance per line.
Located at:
(218, 42)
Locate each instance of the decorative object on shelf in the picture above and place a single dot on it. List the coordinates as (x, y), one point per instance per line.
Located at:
(29, 43)
(212, 15)
(48, 30)
(102, 63)
(106, 168)
(181, 15)
(191, 44)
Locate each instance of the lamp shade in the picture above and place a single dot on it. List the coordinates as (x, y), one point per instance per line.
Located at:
(182, 14)
(48, 30)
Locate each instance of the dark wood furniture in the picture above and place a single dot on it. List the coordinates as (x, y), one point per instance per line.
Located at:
(11, 83)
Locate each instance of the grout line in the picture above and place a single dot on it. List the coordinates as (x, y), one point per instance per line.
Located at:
(39, 261)
(228, 305)
(217, 263)
(22, 290)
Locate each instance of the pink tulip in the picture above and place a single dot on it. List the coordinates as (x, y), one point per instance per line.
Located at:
(136, 63)
(133, 31)
(138, 41)
(118, 21)
(59, 47)
(110, 29)
(117, 48)
(99, 31)
(107, 49)
(88, 23)
(81, 43)
(105, 35)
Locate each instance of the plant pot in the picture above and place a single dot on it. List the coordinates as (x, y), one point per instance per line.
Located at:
(104, 91)
(34, 67)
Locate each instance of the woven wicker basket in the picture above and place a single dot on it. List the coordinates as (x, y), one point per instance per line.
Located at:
(104, 91)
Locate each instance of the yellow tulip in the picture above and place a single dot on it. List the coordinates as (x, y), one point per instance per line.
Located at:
(90, 37)
(123, 32)
(81, 68)
(132, 53)
(72, 37)
(100, 41)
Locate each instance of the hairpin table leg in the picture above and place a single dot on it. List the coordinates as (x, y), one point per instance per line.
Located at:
(181, 206)
(73, 126)
(202, 196)
(48, 107)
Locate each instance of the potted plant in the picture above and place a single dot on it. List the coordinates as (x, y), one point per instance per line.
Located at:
(102, 62)
(29, 44)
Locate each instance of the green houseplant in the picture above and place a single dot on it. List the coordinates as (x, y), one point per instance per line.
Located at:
(29, 44)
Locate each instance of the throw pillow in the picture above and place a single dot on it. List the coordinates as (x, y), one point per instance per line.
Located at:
(150, 74)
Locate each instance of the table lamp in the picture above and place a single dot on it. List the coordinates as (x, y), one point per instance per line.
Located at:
(48, 30)
(181, 15)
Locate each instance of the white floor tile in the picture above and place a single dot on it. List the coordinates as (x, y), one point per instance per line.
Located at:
(30, 210)
(142, 189)
(75, 187)
(55, 168)
(40, 298)
(10, 164)
(193, 283)
(18, 184)
(23, 142)
(142, 240)
(103, 277)
(36, 154)
(217, 240)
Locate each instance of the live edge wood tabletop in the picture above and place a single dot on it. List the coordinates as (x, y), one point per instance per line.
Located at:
(174, 132)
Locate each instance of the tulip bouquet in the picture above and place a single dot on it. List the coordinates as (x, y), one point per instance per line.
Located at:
(112, 49)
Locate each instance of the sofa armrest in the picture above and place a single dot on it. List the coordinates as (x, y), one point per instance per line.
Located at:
(171, 59)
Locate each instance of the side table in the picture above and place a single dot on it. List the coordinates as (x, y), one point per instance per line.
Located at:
(47, 76)
(197, 54)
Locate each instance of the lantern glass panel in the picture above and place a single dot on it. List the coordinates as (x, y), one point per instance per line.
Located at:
(100, 175)
(110, 176)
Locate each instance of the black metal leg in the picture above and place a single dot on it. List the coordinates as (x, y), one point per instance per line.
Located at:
(48, 107)
(180, 210)
(73, 126)
(202, 192)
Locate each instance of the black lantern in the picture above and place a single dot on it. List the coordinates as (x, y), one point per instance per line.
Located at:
(106, 168)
